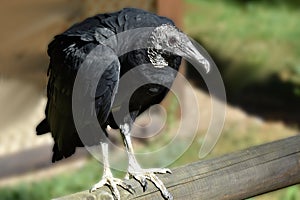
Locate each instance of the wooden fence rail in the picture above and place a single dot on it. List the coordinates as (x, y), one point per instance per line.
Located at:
(238, 175)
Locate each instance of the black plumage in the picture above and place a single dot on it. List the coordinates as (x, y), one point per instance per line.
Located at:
(157, 64)
(69, 49)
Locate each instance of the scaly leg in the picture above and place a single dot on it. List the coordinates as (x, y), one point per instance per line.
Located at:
(108, 179)
(135, 170)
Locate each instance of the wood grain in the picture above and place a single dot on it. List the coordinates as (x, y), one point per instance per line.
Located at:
(238, 175)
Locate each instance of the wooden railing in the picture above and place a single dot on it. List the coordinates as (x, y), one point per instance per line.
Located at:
(239, 175)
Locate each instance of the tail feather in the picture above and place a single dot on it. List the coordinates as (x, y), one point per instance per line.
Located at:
(43, 127)
(64, 153)
(57, 155)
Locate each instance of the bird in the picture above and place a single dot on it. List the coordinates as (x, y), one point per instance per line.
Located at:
(83, 46)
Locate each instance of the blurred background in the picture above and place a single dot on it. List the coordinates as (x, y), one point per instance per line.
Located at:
(255, 44)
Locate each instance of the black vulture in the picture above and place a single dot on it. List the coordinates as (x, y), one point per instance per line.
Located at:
(71, 48)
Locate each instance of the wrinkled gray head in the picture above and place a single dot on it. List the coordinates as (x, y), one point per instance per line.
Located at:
(167, 38)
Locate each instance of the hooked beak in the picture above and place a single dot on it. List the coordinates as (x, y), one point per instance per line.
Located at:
(193, 55)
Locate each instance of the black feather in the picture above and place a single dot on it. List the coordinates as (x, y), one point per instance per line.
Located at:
(70, 49)
(43, 127)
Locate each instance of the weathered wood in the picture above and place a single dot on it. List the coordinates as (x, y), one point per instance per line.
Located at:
(238, 175)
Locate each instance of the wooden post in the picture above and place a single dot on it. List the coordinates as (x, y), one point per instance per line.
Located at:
(238, 175)
(91, 7)
(172, 9)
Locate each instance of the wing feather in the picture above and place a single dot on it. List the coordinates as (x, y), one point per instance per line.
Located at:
(67, 57)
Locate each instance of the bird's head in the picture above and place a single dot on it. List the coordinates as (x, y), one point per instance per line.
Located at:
(167, 38)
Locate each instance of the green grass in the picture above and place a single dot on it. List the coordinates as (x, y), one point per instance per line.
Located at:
(258, 39)
(254, 41)
(60, 185)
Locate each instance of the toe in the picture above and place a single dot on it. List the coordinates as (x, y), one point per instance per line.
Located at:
(142, 175)
(162, 171)
(142, 180)
(145, 185)
(98, 185)
(125, 186)
(115, 192)
(111, 183)
(167, 195)
(160, 185)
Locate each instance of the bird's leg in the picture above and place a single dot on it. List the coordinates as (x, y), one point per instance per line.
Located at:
(135, 170)
(107, 177)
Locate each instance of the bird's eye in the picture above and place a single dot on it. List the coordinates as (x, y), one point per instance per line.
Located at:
(172, 41)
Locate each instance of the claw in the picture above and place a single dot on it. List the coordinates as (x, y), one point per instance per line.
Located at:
(112, 183)
(162, 171)
(142, 175)
(144, 185)
(139, 174)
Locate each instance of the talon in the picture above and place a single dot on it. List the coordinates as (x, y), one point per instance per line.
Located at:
(142, 180)
(142, 175)
(145, 185)
(139, 174)
(112, 183)
(165, 170)
(168, 196)
(130, 189)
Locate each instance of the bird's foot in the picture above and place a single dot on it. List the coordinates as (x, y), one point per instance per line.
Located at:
(142, 175)
(112, 183)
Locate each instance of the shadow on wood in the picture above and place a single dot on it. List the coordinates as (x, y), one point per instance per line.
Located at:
(238, 175)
